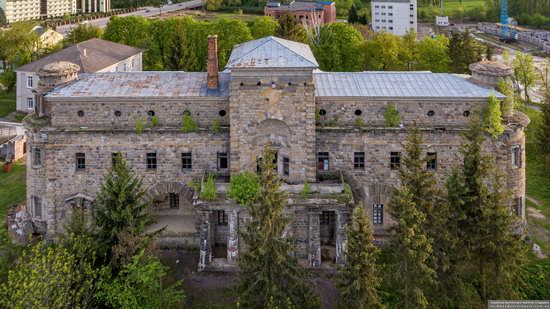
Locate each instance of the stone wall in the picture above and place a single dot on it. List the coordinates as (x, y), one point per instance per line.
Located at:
(103, 114)
(371, 111)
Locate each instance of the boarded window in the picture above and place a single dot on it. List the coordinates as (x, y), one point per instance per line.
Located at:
(37, 157)
(37, 206)
(516, 157)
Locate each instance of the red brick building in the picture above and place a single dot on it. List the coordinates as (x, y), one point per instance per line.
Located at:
(311, 13)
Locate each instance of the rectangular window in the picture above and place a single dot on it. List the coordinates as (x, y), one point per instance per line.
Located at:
(412, 22)
(431, 163)
(29, 82)
(322, 161)
(152, 160)
(376, 6)
(395, 160)
(186, 161)
(517, 206)
(222, 160)
(221, 218)
(115, 156)
(377, 214)
(37, 206)
(358, 160)
(30, 103)
(37, 156)
(327, 217)
(286, 166)
(80, 160)
(174, 201)
(516, 157)
(390, 7)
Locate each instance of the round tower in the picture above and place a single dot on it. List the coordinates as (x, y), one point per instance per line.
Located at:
(56, 74)
(488, 73)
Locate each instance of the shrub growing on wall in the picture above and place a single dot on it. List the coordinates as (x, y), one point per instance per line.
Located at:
(209, 191)
(244, 187)
(391, 116)
(188, 124)
(492, 122)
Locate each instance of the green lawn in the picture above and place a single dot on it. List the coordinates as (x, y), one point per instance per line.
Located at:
(7, 102)
(210, 16)
(451, 7)
(13, 190)
(537, 187)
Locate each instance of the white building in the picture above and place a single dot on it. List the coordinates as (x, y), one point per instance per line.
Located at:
(19, 10)
(91, 56)
(394, 16)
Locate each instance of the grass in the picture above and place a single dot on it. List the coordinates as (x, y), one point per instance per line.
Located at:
(7, 102)
(13, 190)
(210, 16)
(537, 185)
(452, 7)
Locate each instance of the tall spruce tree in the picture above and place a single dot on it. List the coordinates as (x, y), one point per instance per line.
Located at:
(270, 274)
(120, 211)
(486, 237)
(411, 250)
(358, 279)
(290, 28)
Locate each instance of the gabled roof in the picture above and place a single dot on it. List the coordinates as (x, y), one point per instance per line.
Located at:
(398, 84)
(92, 56)
(271, 52)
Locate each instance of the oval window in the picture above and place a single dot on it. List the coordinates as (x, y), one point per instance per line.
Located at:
(466, 114)
(322, 112)
(151, 113)
(431, 113)
(222, 112)
(80, 114)
(358, 112)
(118, 113)
(259, 84)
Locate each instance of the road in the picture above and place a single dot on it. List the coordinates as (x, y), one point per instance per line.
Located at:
(145, 12)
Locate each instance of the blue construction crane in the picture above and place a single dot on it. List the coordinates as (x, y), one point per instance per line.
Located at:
(506, 34)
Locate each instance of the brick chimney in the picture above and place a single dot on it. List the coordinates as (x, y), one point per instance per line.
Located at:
(212, 62)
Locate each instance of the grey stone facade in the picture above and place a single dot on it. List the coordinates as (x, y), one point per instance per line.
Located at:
(276, 103)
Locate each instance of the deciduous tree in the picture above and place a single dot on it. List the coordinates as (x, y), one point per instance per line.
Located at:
(263, 26)
(290, 28)
(339, 48)
(524, 72)
(433, 54)
(81, 33)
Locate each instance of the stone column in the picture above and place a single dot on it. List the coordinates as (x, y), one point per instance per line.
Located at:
(205, 245)
(233, 236)
(314, 232)
(341, 239)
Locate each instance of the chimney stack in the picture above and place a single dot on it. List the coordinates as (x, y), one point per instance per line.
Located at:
(212, 63)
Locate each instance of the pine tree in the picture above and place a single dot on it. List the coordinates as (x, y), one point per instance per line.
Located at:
(411, 249)
(487, 238)
(353, 16)
(120, 207)
(290, 29)
(543, 134)
(358, 280)
(270, 275)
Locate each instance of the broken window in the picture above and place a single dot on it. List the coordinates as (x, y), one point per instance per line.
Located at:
(378, 214)
(516, 157)
(517, 206)
(358, 160)
(395, 160)
(80, 160)
(322, 161)
(431, 163)
(286, 166)
(221, 218)
(37, 206)
(151, 160)
(186, 161)
(222, 160)
(115, 157)
(37, 156)
(174, 201)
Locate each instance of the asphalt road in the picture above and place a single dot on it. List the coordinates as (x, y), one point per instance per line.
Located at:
(145, 12)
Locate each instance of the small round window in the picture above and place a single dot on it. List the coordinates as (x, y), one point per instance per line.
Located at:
(290, 84)
(151, 113)
(187, 112)
(466, 114)
(322, 112)
(259, 84)
(222, 112)
(118, 113)
(431, 113)
(358, 112)
(80, 114)
(242, 84)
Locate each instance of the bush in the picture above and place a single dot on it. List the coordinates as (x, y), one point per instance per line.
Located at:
(154, 121)
(216, 126)
(209, 191)
(188, 124)
(306, 191)
(392, 116)
(358, 121)
(139, 124)
(244, 188)
(8, 79)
